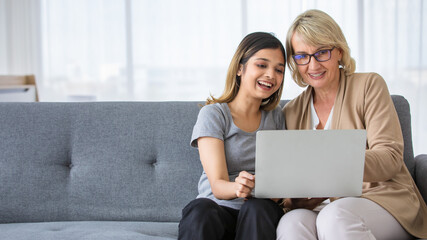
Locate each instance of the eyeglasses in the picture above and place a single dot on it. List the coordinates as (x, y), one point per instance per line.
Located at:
(321, 56)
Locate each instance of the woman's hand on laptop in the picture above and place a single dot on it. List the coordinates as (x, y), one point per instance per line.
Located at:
(245, 183)
(307, 203)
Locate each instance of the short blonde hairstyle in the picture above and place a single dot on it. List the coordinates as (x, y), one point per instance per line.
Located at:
(248, 47)
(317, 28)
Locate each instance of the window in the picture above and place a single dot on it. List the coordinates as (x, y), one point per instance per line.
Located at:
(140, 50)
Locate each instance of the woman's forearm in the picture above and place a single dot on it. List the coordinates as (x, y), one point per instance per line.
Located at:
(223, 189)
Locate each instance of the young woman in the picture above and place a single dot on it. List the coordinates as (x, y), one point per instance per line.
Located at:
(225, 136)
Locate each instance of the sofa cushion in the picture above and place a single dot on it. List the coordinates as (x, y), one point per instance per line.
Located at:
(89, 230)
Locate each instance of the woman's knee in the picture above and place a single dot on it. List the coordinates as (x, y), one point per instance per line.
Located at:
(201, 219)
(358, 218)
(331, 216)
(340, 219)
(338, 210)
(200, 212)
(297, 224)
(262, 207)
(199, 207)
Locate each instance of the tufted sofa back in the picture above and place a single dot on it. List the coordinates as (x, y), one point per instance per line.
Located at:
(97, 161)
(106, 161)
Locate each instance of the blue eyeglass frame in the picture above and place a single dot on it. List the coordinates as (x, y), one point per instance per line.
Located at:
(313, 55)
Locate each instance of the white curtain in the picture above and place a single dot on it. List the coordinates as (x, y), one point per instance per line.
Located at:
(20, 36)
(131, 50)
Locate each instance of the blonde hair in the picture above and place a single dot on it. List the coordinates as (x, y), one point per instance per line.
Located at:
(317, 28)
(250, 45)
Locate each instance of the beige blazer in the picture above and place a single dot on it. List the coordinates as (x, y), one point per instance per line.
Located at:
(363, 102)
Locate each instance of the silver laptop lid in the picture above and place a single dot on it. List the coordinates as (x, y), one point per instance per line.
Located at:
(309, 163)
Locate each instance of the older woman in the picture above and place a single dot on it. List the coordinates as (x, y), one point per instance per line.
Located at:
(391, 206)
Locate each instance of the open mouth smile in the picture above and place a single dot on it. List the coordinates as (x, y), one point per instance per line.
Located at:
(265, 84)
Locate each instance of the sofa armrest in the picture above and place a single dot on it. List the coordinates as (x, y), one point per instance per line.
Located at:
(421, 174)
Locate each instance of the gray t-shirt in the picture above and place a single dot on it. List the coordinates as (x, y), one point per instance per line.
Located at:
(215, 120)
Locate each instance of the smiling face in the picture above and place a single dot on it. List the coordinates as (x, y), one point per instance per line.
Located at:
(319, 75)
(262, 75)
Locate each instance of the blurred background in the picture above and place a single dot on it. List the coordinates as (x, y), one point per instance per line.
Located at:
(179, 50)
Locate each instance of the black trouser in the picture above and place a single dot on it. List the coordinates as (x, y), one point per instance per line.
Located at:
(204, 219)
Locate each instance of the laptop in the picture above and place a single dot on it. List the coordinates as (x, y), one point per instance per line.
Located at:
(309, 163)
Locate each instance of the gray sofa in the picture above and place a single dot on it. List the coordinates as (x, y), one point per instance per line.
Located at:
(109, 170)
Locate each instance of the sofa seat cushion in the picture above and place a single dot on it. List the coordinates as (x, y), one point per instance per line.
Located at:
(85, 230)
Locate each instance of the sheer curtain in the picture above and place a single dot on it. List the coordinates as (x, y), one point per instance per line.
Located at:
(20, 51)
(127, 50)
(137, 50)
